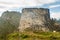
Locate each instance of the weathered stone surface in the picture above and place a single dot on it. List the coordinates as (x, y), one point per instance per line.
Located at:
(12, 16)
(34, 18)
(9, 22)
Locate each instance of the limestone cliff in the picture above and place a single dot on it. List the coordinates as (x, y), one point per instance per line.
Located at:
(9, 22)
(12, 17)
(34, 19)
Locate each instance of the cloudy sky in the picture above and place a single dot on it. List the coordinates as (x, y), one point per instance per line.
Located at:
(16, 5)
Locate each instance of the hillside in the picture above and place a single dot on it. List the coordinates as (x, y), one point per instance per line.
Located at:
(13, 17)
(9, 22)
(34, 24)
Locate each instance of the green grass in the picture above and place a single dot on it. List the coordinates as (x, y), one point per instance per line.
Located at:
(41, 35)
(34, 36)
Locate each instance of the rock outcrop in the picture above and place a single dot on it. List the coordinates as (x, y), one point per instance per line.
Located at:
(13, 17)
(34, 19)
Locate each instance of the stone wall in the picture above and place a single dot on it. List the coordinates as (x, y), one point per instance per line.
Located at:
(34, 19)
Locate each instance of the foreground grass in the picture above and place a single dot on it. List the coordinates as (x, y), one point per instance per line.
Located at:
(34, 36)
(40, 36)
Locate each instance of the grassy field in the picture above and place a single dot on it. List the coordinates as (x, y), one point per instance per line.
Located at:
(33, 36)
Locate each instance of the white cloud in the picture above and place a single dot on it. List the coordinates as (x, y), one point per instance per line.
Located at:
(7, 4)
(25, 3)
(54, 6)
(55, 15)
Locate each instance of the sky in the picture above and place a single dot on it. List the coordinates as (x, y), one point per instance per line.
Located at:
(17, 5)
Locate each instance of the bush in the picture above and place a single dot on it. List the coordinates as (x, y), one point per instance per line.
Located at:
(24, 36)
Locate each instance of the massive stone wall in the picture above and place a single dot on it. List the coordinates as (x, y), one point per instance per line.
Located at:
(34, 19)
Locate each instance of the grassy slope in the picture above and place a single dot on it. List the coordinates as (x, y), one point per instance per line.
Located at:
(34, 36)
